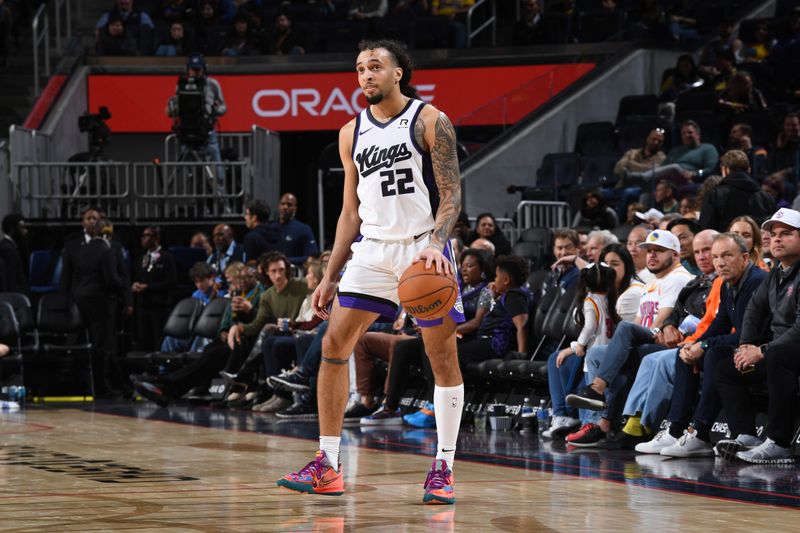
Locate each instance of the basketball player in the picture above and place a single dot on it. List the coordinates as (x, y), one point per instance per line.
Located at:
(402, 194)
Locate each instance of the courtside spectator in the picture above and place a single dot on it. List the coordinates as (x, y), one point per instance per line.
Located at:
(226, 251)
(685, 229)
(565, 244)
(200, 240)
(749, 230)
(486, 227)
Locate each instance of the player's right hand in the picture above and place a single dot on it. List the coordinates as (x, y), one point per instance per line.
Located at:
(322, 296)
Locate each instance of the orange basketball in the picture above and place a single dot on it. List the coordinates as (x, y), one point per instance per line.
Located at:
(425, 294)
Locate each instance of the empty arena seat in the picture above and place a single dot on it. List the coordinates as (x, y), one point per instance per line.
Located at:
(595, 138)
(637, 104)
(180, 325)
(44, 271)
(185, 258)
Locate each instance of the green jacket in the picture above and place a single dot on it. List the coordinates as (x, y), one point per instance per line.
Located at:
(254, 297)
(274, 305)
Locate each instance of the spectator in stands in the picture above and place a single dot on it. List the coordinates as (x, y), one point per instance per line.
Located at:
(460, 232)
(597, 318)
(665, 197)
(264, 235)
(115, 40)
(565, 244)
(486, 227)
(676, 81)
(153, 280)
(483, 245)
(174, 11)
(595, 213)
(208, 32)
(775, 187)
(686, 208)
(725, 40)
(683, 25)
(749, 230)
(166, 388)
(597, 241)
(627, 189)
(740, 96)
(528, 29)
(655, 306)
(738, 194)
(784, 152)
(367, 9)
(12, 273)
(205, 290)
(636, 237)
(282, 39)
(297, 240)
(455, 11)
(720, 74)
(760, 47)
(648, 18)
(133, 19)
(631, 220)
(690, 160)
(200, 240)
(685, 230)
(666, 220)
(240, 40)
(583, 237)
(72, 243)
(226, 250)
(175, 43)
(652, 217)
(767, 353)
(741, 138)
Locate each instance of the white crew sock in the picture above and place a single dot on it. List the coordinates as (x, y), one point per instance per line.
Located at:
(448, 402)
(330, 445)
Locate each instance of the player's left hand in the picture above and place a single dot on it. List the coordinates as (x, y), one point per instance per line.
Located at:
(432, 256)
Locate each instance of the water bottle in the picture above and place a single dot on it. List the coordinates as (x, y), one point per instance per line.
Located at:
(13, 393)
(22, 392)
(542, 417)
(527, 409)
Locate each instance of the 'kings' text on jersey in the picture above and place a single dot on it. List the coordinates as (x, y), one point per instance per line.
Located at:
(396, 188)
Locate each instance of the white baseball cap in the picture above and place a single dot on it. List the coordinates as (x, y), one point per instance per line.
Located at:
(650, 213)
(784, 215)
(664, 239)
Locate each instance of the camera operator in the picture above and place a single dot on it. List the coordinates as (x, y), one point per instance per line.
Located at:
(196, 126)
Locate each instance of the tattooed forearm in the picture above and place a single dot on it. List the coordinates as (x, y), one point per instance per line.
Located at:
(448, 179)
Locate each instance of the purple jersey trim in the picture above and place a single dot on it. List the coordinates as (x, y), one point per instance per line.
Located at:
(385, 308)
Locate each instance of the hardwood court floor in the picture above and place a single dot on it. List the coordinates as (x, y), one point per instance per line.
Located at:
(134, 467)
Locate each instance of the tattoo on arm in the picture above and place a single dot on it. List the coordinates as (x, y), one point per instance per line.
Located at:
(419, 133)
(448, 179)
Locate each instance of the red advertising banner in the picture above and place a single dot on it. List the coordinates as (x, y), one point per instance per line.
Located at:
(325, 101)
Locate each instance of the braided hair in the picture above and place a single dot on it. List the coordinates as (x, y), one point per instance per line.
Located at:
(401, 58)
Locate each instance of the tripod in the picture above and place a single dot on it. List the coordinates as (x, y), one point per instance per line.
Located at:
(202, 178)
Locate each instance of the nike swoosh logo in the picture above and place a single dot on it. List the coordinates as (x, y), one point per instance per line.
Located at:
(365, 131)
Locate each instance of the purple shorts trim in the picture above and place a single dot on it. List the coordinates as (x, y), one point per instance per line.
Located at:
(385, 308)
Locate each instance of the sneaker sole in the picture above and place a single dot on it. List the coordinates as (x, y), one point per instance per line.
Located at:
(584, 444)
(561, 432)
(287, 386)
(728, 450)
(573, 400)
(304, 488)
(433, 499)
(385, 422)
(686, 455)
(309, 416)
(783, 461)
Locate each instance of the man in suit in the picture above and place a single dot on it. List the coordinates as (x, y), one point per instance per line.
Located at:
(12, 273)
(72, 244)
(154, 278)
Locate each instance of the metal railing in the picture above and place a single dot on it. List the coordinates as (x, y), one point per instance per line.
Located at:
(240, 143)
(64, 6)
(532, 214)
(489, 23)
(40, 28)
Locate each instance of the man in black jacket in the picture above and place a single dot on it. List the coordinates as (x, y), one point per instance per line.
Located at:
(737, 195)
(154, 279)
(72, 244)
(767, 352)
(12, 273)
(264, 236)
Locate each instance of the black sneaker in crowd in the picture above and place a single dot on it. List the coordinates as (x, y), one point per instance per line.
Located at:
(357, 411)
(588, 398)
(151, 392)
(292, 381)
(299, 411)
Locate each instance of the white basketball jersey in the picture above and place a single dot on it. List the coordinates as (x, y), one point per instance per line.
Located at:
(396, 188)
